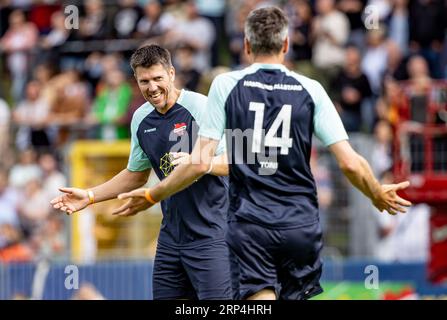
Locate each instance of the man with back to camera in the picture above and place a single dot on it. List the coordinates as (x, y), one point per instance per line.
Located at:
(274, 232)
(192, 258)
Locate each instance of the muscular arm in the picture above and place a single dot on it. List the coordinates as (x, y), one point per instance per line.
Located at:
(75, 199)
(124, 181)
(220, 162)
(359, 173)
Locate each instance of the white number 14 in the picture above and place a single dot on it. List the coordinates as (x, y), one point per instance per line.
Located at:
(271, 140)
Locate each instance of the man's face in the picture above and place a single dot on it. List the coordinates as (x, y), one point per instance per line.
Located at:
(156, 84)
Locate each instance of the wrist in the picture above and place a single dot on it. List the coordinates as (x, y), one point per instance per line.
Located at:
(91, 197)
(210, 169)
(148, 196)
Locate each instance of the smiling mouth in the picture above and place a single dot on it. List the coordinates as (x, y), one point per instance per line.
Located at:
(155, 95)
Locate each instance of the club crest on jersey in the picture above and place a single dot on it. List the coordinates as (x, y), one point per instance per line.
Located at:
(180, 128)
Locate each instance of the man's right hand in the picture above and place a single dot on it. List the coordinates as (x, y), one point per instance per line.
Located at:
(72, 200)
(389, 200)
(132, 207)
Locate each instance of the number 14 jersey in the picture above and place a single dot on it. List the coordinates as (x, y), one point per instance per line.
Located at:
(269, 115)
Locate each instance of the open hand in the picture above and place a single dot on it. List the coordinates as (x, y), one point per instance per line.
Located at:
(389, 200)
(72, 200)
(132, 206)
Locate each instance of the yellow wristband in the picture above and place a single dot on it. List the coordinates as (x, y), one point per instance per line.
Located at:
(91, 196)
(148, 196)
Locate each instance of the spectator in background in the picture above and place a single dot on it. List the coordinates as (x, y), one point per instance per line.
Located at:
(236, 36)
(156, 22)
(398, 25)
(396, 63)
(18, 42)
(353, 9)
(9, 200)
(93, 25)
(35, 210)
(51, 43)
(214, 11)
(196, 32)
(427, 31)
(374, 61)
(187, 76)
(53, 179)
(330, 34)
(419, 75)
(31, 116)
(48, 241)
(25, 170)
(381, 157)
(126, 18)
(111, 105)
(301, 25)
(353, 89)
(11, 248)
(68, 99)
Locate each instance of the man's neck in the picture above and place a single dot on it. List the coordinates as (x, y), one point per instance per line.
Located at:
(276, 59)
(173, 97)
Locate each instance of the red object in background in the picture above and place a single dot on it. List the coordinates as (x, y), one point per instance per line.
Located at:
(16, 253)
(420, 144)
(40, 15)
(407, 293)
(437, 266)
(420, 156)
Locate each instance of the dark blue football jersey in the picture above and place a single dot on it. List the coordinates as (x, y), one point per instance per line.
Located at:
(269, 115)
(198, 213)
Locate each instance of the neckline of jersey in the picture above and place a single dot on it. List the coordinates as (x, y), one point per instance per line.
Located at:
(174, 106)
(258, 65)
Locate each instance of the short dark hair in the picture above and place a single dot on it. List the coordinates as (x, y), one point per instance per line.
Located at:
(266, 29)
(150, 55)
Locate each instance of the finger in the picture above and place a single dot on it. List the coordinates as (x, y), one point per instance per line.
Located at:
(125, 195)
(56, 200)
(64, 208)
(70, 207)
(402, 185)
(134, 193)
(391, 211)
(403, 202)
(58, 205)
(125, 213)
(398, 208)
(176, 162)
(120, 209)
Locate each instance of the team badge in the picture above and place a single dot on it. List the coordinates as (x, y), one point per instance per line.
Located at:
(180, 128)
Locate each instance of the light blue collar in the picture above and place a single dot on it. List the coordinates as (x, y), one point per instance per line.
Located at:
(257, 66)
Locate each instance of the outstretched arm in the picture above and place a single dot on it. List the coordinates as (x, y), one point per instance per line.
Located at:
(219, 163)
(75, 199)
(359, 173)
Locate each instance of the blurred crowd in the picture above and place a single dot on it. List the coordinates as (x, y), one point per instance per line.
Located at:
(64, 79)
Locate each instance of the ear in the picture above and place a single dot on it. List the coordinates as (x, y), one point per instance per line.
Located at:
(285, 47)
(247, 47)
(172, 73)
